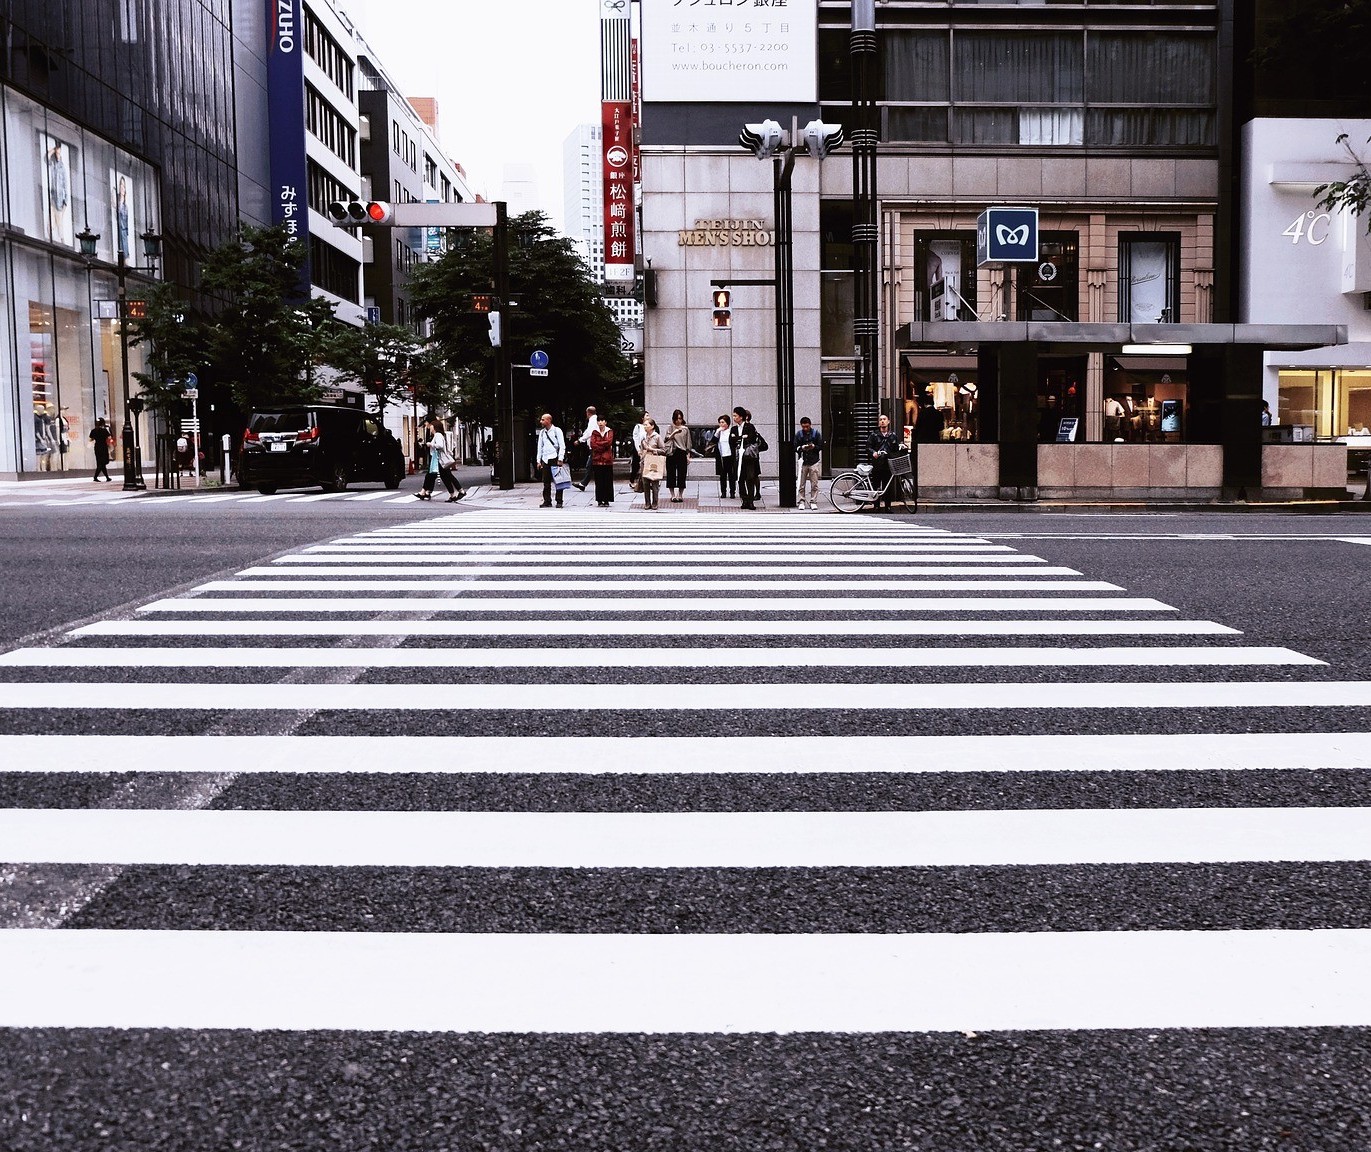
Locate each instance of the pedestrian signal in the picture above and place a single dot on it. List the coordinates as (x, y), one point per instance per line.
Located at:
(723, 313)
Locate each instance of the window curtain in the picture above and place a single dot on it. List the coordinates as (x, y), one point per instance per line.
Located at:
(916, 66)
(1031, 68)
(1150, 68)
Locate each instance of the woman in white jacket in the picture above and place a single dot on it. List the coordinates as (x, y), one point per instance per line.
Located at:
(440, 464)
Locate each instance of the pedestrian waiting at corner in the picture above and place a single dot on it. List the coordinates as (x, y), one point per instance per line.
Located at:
(809, 445)
(550, 454)
(677, 440)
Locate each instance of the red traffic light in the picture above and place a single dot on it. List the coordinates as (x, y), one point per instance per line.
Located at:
(379, 212)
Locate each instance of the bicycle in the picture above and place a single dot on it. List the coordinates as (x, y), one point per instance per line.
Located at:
(852, 491)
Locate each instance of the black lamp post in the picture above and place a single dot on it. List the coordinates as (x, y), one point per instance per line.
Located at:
(152, 252)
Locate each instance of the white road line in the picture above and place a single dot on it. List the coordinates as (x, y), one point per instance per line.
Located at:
(730, 606)
(1028, 838)
(1045, 697)
(712, 561)
(694, 755)
(599, 657)
(644, 582)
(381, 495)
(582, 626)
(701, 550)
(481, 568)
(1355, 539)
(296, 499)
(732, 983)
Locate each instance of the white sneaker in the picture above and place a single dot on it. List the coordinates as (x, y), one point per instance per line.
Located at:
(812, 506)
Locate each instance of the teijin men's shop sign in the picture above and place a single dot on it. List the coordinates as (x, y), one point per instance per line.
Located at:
(727, 233)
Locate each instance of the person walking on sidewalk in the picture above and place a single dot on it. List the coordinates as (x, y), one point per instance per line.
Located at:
(677, 441)
(725, 466)
(809, 445)
(602, 461)
(551, 452)
(100, 438)
(653, 451)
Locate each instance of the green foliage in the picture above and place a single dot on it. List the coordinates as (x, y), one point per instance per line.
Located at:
(1350, 195)
(376, 356)
(555, 306)
(269, 335)
(175, 347)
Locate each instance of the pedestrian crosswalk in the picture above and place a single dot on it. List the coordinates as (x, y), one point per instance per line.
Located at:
(870, 788)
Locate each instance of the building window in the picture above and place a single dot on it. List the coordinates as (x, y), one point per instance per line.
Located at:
(1049, 290)
(945, 264)
(324, 189)
(334, 272)
(1335, 402)
(323, 49)
(1018, 88)
(1149, 278)
(329, 128)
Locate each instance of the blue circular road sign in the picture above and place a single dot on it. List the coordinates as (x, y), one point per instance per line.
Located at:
(537, 359)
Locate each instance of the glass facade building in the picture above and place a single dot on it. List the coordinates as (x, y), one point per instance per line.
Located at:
(118, 119)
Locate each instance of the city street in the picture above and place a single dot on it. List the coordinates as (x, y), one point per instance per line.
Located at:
(361, 821)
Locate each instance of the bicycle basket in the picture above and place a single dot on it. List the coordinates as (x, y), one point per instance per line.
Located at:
(901, 465)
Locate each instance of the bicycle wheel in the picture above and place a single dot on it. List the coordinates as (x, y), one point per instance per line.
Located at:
(849, 492)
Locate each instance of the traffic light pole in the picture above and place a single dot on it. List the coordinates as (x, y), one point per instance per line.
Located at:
(504, 376)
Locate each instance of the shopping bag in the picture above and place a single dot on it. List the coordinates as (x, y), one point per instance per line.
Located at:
(561, 477)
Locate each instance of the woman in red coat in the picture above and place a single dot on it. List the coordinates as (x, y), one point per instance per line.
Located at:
(602, 462)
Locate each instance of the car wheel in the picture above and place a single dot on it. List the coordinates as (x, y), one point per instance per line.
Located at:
(337, 478)
(394, 476)
(267, 489)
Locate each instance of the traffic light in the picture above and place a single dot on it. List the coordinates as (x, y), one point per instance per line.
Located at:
(820, 139)
(723, 312)
(350, 213)
(493, 318)
(763, 140)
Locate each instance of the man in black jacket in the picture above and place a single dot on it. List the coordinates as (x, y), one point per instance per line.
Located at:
(882, 445)
(747, 445)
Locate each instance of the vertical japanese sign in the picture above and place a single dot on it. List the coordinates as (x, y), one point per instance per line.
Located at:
(637, 113)
(617, 143)
(286, 123)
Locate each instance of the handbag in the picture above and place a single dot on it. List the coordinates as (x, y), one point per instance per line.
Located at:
(561, 477)
(654, 467)
(752, 452)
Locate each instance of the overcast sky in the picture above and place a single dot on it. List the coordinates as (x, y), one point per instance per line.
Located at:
(512, 77)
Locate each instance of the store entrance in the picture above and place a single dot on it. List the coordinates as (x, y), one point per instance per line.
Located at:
(840, 423)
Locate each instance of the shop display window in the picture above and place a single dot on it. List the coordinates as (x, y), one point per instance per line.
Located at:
(1061, 399)
(1049, 290)
(1145, 404)
(945, 265)
(1149, 278)
(942, 403)
(1335, 402)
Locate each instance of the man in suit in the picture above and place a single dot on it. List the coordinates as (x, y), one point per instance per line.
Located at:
(742, 436)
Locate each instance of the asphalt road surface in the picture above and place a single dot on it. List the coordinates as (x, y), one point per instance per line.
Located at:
(346, 824)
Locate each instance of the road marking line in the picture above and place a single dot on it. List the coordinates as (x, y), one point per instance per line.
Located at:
(651, 983)
(1026, 838)
(695, 755)
(582, 626)
(1047, 697)
(600, 657)
(481, 568)
(658, 605)
(645, 583)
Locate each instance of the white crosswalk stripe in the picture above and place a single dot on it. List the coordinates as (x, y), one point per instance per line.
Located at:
(675, 716)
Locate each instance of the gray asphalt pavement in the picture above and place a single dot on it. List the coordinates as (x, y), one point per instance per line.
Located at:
(1135, 914)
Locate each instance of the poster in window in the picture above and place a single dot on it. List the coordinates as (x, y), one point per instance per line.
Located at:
(944, 279)
(56, 169)
(123, 226)
(1171, 415)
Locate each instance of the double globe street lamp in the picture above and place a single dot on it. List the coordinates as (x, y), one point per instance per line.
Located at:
(152, 252)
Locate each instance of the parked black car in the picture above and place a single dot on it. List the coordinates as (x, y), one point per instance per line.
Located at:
(317, 444)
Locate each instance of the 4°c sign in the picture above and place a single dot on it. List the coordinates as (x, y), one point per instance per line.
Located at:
(1007, 236)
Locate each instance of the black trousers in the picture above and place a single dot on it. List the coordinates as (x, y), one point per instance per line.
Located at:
(676, 463)
(726, 468)
(547, 483)
(449, 482)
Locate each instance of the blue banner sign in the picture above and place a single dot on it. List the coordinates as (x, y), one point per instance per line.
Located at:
(286, 122)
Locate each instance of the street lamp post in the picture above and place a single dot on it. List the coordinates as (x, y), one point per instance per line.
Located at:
(768, 140)
(152, 251)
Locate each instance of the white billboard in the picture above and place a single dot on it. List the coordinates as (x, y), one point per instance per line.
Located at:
(730, 51)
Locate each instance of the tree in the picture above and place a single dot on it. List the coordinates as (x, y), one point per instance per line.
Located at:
(1351, 195)
(175, 348)
(376, 356)
(555, 306)
(265, 340)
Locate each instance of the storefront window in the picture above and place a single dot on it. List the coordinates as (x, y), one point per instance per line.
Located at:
(1145, 401)
(946, 268)
(1149, 278)
(1049, 289)
(1335, 402)
(941, 399)
(1061, 399)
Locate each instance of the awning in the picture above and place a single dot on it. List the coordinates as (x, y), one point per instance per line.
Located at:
(1112, 337)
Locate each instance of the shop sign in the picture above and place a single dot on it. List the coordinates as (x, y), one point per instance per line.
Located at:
(726, 233)
(1007, 236)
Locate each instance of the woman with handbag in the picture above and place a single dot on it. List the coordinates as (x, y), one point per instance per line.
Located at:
(677, 441)
(602, 462)
(653, 450)
(440, 464)
(747, 445)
